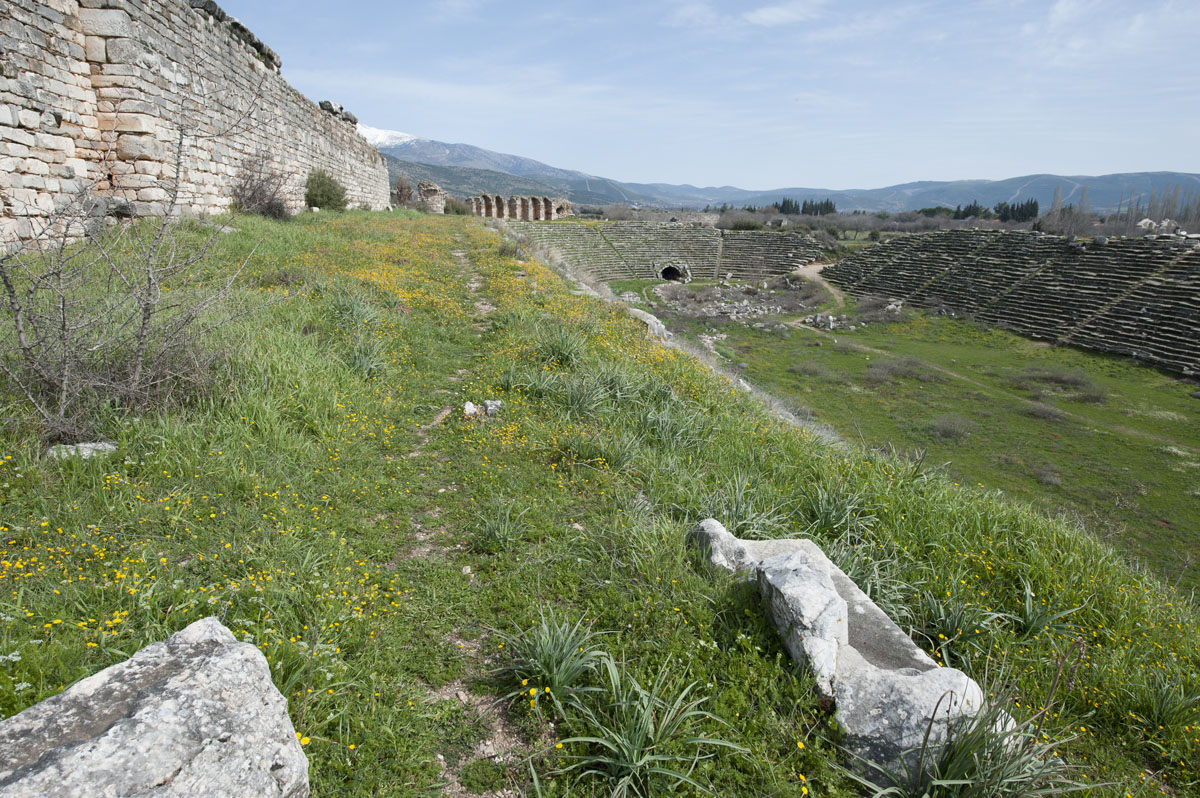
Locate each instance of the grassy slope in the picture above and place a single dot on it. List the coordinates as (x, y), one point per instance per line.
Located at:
(1128, 465)
(313, 504)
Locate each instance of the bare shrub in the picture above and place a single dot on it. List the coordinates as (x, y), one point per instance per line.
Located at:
(116, 320)
(880, 371)
(402, 192)
(258, 187)
(950, 427)
(1071, 383)
(810, 369)
(1047, 475)
(873, 309)
(456, 207)
(1043, 411)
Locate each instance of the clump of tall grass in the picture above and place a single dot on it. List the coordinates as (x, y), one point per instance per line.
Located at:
(559, 345)
(740, 506)
(499, 527)
(640, 740)
(551, 660)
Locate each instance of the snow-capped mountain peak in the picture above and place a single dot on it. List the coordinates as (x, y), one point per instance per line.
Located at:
(384, 138)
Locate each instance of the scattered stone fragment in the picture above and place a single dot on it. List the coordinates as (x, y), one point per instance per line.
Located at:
(81, 450)
(194, 715)
(885, 689)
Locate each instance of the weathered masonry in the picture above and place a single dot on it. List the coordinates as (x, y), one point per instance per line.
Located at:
(1131, 296)
(529, 209)
(94, 94)
(649, 250)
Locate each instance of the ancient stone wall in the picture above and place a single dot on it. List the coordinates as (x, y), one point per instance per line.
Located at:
(1133, 296)
(94, 93)
(649, 250)
(529, 209)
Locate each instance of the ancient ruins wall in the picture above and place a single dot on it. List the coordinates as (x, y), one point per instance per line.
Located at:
(616, 250)
(1133, 296)
(529, 209)
(98, 90)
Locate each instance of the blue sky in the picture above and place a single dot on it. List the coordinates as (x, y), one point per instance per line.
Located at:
(765, 93)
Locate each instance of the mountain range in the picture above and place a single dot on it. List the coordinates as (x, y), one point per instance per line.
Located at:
(465, 170)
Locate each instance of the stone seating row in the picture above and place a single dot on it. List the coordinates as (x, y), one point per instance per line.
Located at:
(1133, 296)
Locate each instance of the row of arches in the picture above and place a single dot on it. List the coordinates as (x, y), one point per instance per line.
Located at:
(529, 209)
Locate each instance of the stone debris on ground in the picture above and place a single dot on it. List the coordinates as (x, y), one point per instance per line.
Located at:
(888, 693)
(81, 450)
(194, 715)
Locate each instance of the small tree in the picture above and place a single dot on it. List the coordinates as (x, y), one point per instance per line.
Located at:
(322, 190)
(402, 192)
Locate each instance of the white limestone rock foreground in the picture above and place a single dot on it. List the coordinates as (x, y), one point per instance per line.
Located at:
(884, 687)
(196, 715)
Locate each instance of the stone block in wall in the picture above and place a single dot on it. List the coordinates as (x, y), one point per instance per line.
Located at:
(106, 22)
(35, 166)
(29, 118)
(124, 51)
(128, 123)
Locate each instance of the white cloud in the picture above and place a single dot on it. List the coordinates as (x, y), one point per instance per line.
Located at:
(785, 13)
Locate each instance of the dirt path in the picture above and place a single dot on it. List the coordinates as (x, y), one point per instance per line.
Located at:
(812, 272)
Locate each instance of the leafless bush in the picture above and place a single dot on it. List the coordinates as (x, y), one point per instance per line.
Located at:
(259, 187)
(101, 316)
(1043, 411)
(402, 192)
(950, 427)
(116, 320)
(880, 371)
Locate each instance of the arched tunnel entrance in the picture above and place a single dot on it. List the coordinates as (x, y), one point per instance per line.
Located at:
(673, 273)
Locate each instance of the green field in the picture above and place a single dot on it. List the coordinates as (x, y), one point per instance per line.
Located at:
(397, 562)
(1100, 439)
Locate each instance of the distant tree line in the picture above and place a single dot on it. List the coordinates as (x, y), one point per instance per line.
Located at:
(786, 206)
(1025, 211)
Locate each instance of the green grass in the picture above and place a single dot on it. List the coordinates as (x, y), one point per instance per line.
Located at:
(1102, 439)
(311, 502)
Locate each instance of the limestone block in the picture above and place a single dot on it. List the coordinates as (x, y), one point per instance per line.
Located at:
(135, 123)
(13, 148)
(125, 51)
(136, 148)
(805, 606)
(194, 715)
(29, 118)
(152, 194)
(94, 50)
(78, 166)
(33, 166)
(105, 22)
(33, 181)
(734, 554)
(8, 115)
(48, 141)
